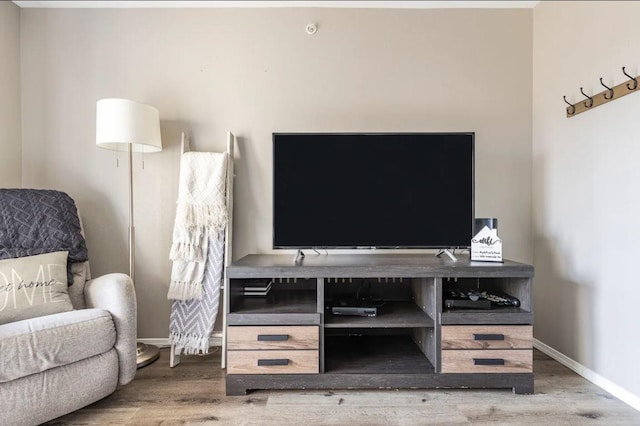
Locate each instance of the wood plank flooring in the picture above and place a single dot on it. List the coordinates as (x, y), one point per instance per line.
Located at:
(194, 393)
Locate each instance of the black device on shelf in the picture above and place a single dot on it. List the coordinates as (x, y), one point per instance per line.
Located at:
(355, 307)
(359, 311)
(373, 190)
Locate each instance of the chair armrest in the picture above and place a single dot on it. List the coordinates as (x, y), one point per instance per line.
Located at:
(115, 293)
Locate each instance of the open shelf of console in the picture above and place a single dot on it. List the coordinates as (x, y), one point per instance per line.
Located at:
(287, 302)
(302, 345)
(367, 355)
(513, 286)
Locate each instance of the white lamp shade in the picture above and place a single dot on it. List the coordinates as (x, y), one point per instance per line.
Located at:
(120, 122)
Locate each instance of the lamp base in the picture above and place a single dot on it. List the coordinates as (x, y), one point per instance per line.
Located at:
(146, 354)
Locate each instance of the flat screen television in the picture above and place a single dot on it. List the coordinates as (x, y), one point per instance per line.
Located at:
(373, 190)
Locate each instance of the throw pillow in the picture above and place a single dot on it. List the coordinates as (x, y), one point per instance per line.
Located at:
(33, 286)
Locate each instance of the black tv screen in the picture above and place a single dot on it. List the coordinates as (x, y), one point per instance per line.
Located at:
(381, 190)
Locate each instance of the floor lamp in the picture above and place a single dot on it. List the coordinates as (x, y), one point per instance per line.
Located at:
(122, 124)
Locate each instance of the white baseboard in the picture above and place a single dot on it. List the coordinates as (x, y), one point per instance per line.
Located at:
(214, 340)
(595, 378)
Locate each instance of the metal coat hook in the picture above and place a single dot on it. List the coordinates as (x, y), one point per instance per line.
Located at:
(610, 90)
(572, 109)
(590, 103)
(635, 80)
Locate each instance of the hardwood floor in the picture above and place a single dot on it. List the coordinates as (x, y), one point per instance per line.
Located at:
(193, 393)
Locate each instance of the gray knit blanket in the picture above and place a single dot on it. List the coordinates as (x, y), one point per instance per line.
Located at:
(37, 221)
(192, 321)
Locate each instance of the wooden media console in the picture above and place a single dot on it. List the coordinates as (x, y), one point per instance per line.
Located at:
(291, 339)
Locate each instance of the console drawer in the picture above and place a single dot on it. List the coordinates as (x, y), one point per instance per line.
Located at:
(487, 361)
(273, 362)
(272, 337)
(487, 337)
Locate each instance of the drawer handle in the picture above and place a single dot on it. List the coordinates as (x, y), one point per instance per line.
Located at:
(273, 337)
(272, 362)
(488, 361)
(488, 336)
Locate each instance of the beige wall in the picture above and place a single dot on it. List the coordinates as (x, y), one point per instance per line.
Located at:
(253, 72)
(586, 190)
(10, 135)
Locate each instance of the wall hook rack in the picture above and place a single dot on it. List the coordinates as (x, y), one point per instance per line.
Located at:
(608, 95)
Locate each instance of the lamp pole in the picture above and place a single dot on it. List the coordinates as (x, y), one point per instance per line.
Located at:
(146, 354)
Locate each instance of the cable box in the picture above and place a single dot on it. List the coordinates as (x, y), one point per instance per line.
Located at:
(360, 311)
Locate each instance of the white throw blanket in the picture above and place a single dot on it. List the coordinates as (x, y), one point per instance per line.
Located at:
(201, 211)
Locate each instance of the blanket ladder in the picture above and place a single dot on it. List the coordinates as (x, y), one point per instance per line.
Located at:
(174, 358)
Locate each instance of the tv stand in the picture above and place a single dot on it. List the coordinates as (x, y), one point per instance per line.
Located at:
(297, 260)
(448, 253)
(289, 339)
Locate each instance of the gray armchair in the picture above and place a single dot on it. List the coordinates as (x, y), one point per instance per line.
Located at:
(55, 364)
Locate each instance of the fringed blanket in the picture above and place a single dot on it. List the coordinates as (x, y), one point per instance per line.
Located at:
(201, 209)
(197, 250)
(37, 221)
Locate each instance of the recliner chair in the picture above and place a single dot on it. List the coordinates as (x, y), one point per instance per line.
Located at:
(55, 364)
